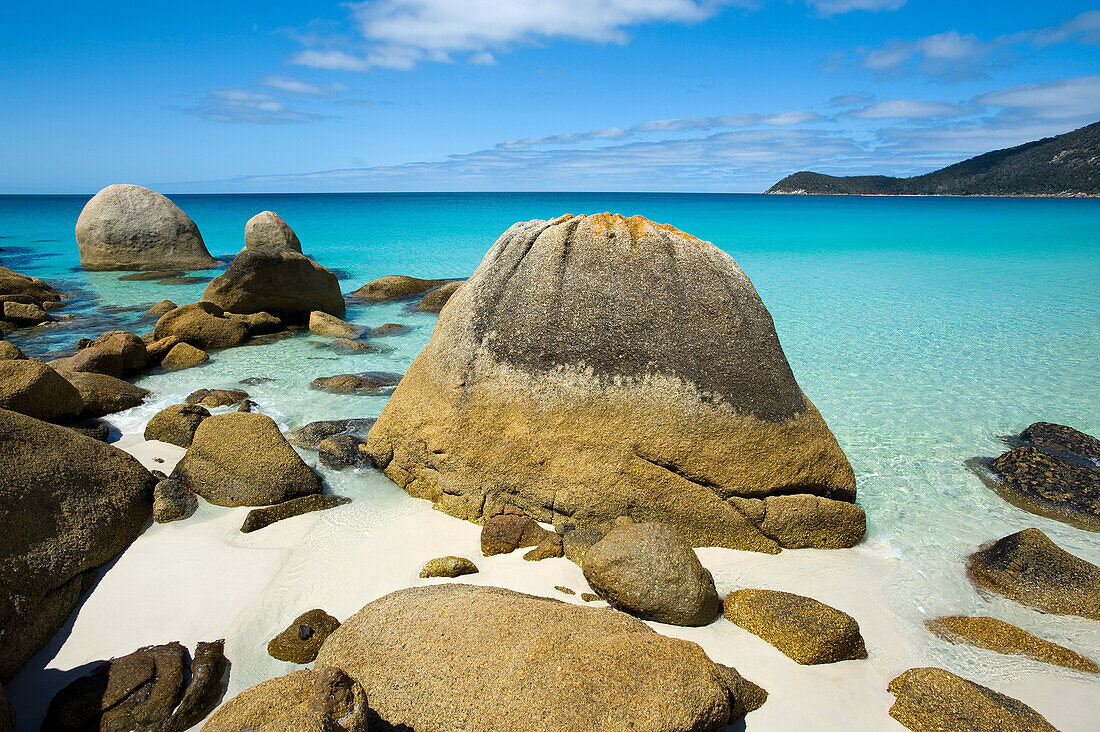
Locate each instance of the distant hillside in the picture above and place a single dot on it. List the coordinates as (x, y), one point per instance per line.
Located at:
(1066, 165)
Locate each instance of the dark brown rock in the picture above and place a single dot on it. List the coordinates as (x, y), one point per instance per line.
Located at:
(176, 424)
(16, 287)
(649, 571)
(173, 501)
(374, 382)
(1030, 568)
(934, 700)
(241, 459)
(159, 348)
(804, 629)
(258, 518)
(301, 640)
(277, 281)
(205, 689)
(217, 397)
(425, 656)
(9, 351)
(507, 532)
(1044, 483)
(93, 428)
(259, 324)
(341, 451)
(576, 542)
(394, 287)
(24, 314)
(312, 434)
(30, 387)
(1060, 438)
(160, 308)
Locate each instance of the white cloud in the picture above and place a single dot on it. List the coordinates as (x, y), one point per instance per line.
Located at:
(909, 109)
(399, 34)
(1074, 100)
(1084, 28)
(243, 106)
(297, 86)
(836, 7)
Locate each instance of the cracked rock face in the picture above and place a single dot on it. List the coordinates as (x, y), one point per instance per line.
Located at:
(600, 366)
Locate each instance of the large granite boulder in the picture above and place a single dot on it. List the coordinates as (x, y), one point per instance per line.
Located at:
(649, 571)
(598, 366)
(16, 287)
(176, 424)
(242, 459)
(1030, 568)
(934, 700)
(183, 356)
(425, 656)
(394, 287)
(333, 327)
(267, 229)
(1054, 473)
(203, 325)
(277, 281)
(145, 691)
(321, 700)
(30, 387)
(997, 635)
(804, 629)
(70, 503)
(104, 394)
(130, 227)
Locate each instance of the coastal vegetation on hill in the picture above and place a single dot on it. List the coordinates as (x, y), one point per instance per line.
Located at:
(1065, 165)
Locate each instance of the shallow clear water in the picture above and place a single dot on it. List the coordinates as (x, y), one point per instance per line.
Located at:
(923, 329)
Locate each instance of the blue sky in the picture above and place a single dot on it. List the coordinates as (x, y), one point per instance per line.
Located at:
(633, 95)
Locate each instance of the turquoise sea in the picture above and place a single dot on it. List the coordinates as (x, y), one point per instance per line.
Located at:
(923, 329)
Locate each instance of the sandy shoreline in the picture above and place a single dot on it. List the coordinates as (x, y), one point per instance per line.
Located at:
(201, 579)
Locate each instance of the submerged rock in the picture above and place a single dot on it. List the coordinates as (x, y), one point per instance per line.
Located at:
(104, 394)
(302, 639)
(934, 700)
(259, 518)
(311, 435)
(7, 714)
(321, 700)
(331, 326)
(242, 459)
(71, 503)
(277, 281)
(173, 501)
(129, 227)
(804, 629)
(592, 669)
(1030, 568)
(342, 451)
(434, 301)
(217, 397)
(203, 325)
(649, 571)
(176, 424)
(267, 229)
(30, 387)
(655, 387)
(448, 567)
(389, 329)
(373, 382)
(183, 356)
(151, 276)
(997, 635)
(160, 308)
(394, 287)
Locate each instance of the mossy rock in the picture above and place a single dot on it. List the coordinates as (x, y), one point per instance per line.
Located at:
(934, 700)
(301, 640)
(804, 629)
(997, 635)
(448, 567)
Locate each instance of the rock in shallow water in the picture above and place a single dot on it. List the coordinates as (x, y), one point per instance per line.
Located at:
(1030, 568)
(934, 700)
(183, 356)
(30, 387)
(804, 629)
(203, 325)
(267, 229)
(394, 287)
(242, 459)
(333, 327)
(370, 383)
(649, 571)
(434, 301)
(999, 636)
(1050, 485)
(342, 451)
(302, 639)
(277, 281)
(104, 394)
(258, 518)
(593, 669)
(127, 227)
(311, 435)
(176, 424)
(613, 367)
(217, 397)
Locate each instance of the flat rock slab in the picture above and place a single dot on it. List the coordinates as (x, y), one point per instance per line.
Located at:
(1030, 568)
(804, 629)
(370, 383)
(934, 700)
(258, 518)
(997, 635)
(425, 657)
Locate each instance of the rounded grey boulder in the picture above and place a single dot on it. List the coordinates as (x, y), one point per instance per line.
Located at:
(127, 227)
(649, 571)
(267, 229)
